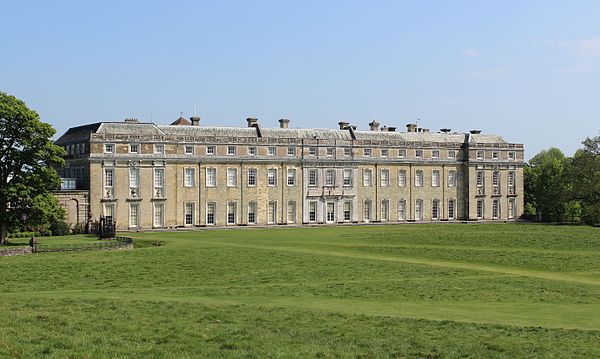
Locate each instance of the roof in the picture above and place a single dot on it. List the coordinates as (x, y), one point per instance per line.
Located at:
(180, 128)
(78, 134)
(181, 121)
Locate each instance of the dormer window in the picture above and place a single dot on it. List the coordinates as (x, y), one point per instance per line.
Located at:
(134, 148)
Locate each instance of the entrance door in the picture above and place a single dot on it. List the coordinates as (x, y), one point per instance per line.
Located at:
(330, 212)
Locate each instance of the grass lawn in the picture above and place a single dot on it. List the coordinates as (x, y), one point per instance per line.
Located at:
(452, 290)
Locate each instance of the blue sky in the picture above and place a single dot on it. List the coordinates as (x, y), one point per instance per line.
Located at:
(528, 70)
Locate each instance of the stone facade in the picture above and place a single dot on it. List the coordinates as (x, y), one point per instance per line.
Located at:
(144, 175)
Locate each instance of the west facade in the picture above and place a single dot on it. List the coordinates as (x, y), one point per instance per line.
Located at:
(149, 176)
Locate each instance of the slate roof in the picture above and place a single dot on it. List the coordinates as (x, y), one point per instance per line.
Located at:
(82, 133)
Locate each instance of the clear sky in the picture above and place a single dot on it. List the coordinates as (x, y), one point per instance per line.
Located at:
(528, 70)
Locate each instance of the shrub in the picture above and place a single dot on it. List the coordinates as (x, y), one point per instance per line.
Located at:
(60, 228)
(78, 228)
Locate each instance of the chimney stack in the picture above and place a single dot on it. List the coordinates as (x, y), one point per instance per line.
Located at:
(425, 130)
(374, 125)
(195, 120)
(391, 129)
(445, 130)
(283, 123)
(411, 127)
(343, 125)
(252, 122)
(475, 132)
(384, 128)
(131, 120)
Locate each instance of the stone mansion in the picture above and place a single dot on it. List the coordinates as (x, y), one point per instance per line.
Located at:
(144, 175)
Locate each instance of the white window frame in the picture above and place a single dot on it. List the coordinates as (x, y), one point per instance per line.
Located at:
(211, 210)
(419, 178)
(271, 150)
(347, 211)
(211, 177)
(419, 153)
(480, 154)
(312, 151)
(134, 148)
(272, 177)
(189, 213)
(252, 150)
(402, 210)
(451, 209)
(231, 213)
(330, 178)
(291, 151)
(367, 177)
(211, 150)
(452, 178)
(313, 177)
(330, 151)
(367, 152)
(385, 178)
(188, 149)
(435, 154)
(435, 209)
(385, 152)
(109, 148)
(312, 211)
(252, 177)
(291, 177)
(232, 177)
(252, 209)
(189, 177)
(451, 154)
(231, 150)
(402, 153)
(134, 215)
(291, 212)
(435, 178)
(385, 210)
(348, 151)
(158, 214)
(272, 212)
(348, 174)
(159, 149)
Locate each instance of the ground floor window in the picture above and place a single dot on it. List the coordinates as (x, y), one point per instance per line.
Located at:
(347, 211)
(479, 209)
(231, 211)
(312, 211)
(496, 209)
(272, 212)
(109, 212)
(134, 215)
(511, 208)
(419, 210)
(252, 213)
(402, 210)
(211, 208)
(451, 208)
(159, 214)
(291, 212)
(330, 212)
(385, 210)
(435, 209)
(367, 211)
(189, 214)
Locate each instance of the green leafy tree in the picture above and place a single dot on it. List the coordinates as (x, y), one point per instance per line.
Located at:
(546, 187)
(27, 161)
(585, 178)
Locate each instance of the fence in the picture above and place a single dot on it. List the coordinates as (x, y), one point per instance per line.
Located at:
(116, 243)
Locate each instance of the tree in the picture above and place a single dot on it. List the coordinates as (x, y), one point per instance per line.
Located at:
(27, 161)
(585, 178)
(545, 185)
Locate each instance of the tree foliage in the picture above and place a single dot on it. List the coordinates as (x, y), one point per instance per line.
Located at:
(27, 161)
(565, 189)
(545, 184)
